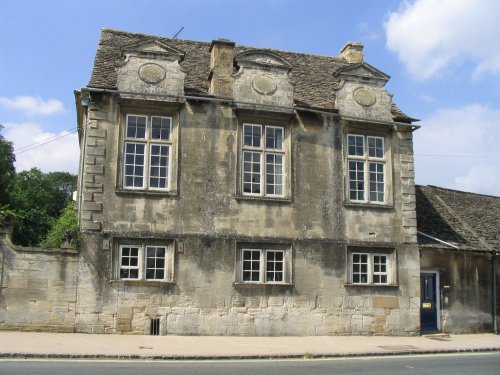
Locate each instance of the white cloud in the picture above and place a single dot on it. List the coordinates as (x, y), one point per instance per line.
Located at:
(430, 36)
(62, 154)
(460, 149)
(480, 178)
(32, 105)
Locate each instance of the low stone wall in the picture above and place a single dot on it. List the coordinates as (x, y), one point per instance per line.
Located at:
(37, 287)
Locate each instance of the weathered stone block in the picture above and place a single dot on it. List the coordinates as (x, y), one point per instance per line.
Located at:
(96, 151)
(123, 325)
(92, 206)
(94, 169)
(96, 133)
(388, 302)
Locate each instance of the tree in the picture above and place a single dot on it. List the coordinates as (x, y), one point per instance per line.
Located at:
(38, 200)
(7, 170)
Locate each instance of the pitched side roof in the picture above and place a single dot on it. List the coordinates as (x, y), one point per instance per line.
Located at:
(311, 75)
(470, 221)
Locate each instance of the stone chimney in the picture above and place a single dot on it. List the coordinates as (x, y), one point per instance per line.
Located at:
(221, 67)
(352, 52)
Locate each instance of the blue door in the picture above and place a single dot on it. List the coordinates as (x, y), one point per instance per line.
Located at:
(428, 302)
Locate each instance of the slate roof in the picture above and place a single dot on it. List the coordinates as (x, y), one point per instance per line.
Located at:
(467, 220)
(311, 75)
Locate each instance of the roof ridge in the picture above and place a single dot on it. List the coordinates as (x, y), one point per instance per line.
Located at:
(460, 191)
(152, 36)
(116, 31)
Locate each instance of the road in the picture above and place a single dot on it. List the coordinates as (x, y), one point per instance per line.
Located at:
(456, 364)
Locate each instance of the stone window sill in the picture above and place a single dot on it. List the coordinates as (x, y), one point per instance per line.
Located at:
(388, 286)
(254, 198)
(143, 283)
(261, 285)
(369, 205)
(157, 193)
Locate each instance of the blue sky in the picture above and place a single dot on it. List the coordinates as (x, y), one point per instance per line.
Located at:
(443, 57)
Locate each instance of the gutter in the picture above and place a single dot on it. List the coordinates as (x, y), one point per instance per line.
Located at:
(494, 290)
(335, 112)
(396, 125)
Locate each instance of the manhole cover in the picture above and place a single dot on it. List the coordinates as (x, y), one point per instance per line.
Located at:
(398, 347)
(439, 338)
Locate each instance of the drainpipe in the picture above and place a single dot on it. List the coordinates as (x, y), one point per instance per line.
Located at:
(494, 287)
(84, 103)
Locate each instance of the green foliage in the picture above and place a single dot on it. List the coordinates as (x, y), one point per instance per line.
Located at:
(7, 170)
(6, 215)
(65, 229)
(37, 200)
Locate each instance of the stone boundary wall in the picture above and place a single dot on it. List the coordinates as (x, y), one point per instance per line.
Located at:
(37, 287)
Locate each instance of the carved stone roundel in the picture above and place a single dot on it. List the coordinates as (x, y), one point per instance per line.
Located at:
(264, 85)
(364, 97)
(151, 73)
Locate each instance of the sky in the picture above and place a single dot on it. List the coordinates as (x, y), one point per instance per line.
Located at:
(443, 57)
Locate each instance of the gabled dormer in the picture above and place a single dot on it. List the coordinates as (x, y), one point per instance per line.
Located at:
(360, 91)
(150, 67)
(262, 78)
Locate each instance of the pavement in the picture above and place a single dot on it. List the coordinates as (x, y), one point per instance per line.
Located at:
(77, 345)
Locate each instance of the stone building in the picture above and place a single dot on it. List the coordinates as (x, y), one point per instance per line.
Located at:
(231, 190)
(459, 240)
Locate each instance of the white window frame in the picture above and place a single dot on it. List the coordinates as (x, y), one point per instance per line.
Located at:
(142, 262)
(371, 265)
(286, 271)
(149, 142)
(366, 161)
(262, 151)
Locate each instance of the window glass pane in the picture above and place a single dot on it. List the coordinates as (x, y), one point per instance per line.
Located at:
(356, 180)
(376, 147)
(136, 126)
(251, 265)
(129, 262)
(274, 137)
(380, 271)
(155, 262)
(355, 145)
(274, 265)
(359, 268)
(251, 172)
(134, 164)
(376, 182)
(252, 135)
(160, 128)
(274, 174)
(158, 169)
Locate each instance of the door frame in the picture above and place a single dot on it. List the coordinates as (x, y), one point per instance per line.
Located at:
(438, 297)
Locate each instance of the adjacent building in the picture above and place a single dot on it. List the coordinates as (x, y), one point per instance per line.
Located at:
(459, 240)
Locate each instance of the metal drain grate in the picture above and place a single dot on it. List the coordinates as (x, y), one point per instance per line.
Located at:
(155, 327)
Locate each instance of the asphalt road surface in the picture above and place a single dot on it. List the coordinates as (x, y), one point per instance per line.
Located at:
(456, 364)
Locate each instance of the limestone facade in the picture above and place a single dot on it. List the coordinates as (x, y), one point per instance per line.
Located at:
(236, 170)
(206, 217)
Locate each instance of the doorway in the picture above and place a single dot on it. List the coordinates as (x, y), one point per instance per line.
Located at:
(429, 302)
